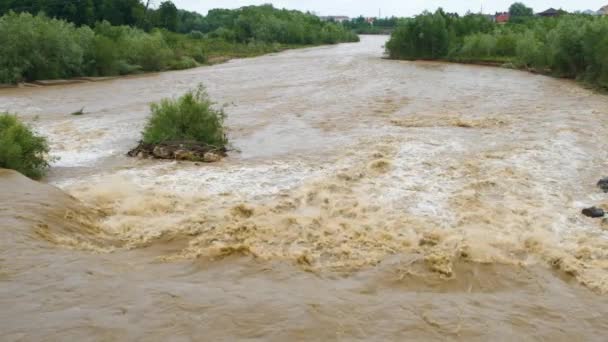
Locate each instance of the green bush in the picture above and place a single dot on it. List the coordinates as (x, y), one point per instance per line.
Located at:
(426, 36)
(183, 63)
(196, 35)
(506, 45)
(36, 47)
(188, 118)
(223, 33)
(21, 149)
(479, 45)
(530, 52)
(140, 50)
(149, 51)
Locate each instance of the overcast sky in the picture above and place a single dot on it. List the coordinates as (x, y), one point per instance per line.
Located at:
(354, 8)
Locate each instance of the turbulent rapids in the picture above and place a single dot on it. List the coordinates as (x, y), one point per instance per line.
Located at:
(365, 199)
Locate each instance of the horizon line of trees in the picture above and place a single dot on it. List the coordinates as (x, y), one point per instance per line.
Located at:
(138, 13)
(362, 25)
(242, 24)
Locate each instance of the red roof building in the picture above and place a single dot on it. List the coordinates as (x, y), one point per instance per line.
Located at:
(502, 18)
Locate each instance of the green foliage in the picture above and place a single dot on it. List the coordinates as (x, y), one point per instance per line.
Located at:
(573, 46)
(183, 63)
(167, 16)
(196, 35)
(224, 33)
(427, 36)
(82, 12)
(37, 47)
(21, 149)
(519, 9)
(361, 25)
(530, 52)
(262, 23)
(479, 45)
(188, 118)
(268, 24)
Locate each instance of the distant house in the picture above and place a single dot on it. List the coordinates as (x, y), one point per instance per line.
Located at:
(551, 12)
(502, 18)
(336, 18)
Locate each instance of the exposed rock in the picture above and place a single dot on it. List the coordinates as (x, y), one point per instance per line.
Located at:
(179, 150)
(603, 184)
(184, 155)
(162, 152)
(593, 212)
(211, 157)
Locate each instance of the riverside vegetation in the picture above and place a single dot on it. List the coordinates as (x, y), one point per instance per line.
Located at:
(571, 45)
(36, 46)
(187, 128)
(21, 149)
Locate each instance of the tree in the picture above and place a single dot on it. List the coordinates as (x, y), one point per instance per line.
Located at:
(167, 16)
(518, 9)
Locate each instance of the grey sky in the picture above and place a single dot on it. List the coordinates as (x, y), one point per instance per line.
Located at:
(354, 8)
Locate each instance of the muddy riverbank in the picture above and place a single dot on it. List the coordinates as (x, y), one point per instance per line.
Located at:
(369, 199)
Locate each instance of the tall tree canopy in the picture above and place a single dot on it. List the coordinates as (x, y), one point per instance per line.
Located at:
(167, 16)
(81, 12)
(519, 9)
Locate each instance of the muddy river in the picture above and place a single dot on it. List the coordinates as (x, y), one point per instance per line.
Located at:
(365, 199)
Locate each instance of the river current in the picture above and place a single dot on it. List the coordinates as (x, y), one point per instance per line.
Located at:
(363, 199)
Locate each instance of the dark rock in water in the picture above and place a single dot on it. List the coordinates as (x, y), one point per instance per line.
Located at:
(593, 212)
(603, 184)
(162, 152)
(179, 150)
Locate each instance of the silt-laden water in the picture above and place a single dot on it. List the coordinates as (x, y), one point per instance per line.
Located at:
(366, 199)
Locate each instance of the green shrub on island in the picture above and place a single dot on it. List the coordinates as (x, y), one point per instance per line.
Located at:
(190, 118)
(21, 149)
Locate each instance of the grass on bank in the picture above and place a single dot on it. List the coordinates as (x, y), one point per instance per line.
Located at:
(21, 149)
(190, 118)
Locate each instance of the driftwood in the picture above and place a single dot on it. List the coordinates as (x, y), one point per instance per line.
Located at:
(179, 150)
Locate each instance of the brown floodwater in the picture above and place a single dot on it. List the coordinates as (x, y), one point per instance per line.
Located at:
(364, 199)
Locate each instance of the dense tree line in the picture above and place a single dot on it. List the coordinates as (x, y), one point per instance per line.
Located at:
(574, 46)
(82, 12)
(362, 25)
(261, 23)
(87, 12)
(38, 47)
(265, 23)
